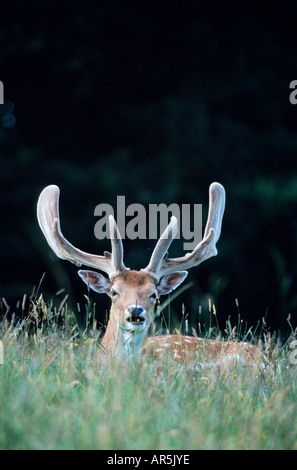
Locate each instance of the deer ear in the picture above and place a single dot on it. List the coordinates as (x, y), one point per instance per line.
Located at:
(96, 281)
(170, 282)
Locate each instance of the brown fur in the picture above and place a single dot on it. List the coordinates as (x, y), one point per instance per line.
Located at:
(133, 278)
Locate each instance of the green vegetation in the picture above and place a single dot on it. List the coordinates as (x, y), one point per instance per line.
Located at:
(57, 394)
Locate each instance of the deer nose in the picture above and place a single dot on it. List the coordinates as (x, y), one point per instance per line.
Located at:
(135, 314)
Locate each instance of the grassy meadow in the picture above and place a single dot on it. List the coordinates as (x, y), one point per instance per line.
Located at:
(56, 394)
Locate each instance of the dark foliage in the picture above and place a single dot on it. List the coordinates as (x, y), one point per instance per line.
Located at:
(154, 101)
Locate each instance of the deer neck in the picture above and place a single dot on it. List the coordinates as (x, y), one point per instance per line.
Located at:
(120, 344)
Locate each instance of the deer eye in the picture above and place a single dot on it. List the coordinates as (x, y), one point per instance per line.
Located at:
(114, 293)
(154, 297)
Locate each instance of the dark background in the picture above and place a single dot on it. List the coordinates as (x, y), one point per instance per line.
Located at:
(154, 101)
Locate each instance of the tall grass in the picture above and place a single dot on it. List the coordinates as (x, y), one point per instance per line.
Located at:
(56, 394)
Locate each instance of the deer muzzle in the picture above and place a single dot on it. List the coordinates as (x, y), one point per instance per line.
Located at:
(135, 317)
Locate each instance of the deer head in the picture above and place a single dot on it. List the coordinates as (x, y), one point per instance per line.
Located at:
(133, 293)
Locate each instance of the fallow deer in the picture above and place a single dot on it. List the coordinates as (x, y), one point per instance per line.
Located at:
(134, 293)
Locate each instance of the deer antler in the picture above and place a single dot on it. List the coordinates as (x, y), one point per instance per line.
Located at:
(49, 221)
(160, 266)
